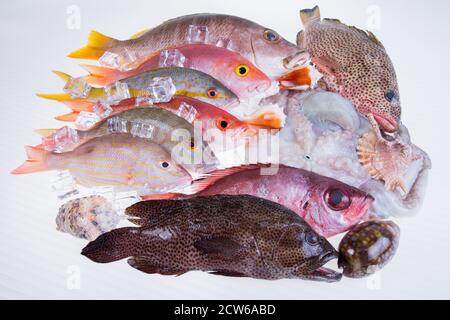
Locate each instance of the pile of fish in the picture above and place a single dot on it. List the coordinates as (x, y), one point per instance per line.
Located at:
(211, 143)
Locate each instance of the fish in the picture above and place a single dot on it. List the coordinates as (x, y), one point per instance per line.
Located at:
(119, 160)
(368, 247)
(159, 126)
(329, 206)
(230, 68)
(188, 82)
(262, 46)
(87, 217)
(241, 236)
(355, 64)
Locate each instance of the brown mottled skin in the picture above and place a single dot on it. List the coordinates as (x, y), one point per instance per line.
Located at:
(355, 64)
(227, 235)
(368, 247)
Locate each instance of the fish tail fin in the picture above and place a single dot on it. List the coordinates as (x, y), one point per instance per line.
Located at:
(68, 117)
(78, 105)
(297, 77)
(96, 46)
(36, 161)
(64, 76)
(111, 246)
(101, 75)
(310, 15)
(44, 132)
(54, 96)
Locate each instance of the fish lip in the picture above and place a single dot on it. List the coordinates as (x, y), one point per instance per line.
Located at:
(328, 257)
(326, 274)
(388, 124)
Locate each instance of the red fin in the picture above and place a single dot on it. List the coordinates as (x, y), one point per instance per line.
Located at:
(35, 162)
(78, 105)
(144, 265)
(68, 117)
(298, 77)
(162, 196)
(101, 75)
(44, 132)
(211, 178)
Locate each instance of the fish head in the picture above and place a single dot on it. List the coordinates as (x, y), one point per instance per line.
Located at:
(165, 173)
(268, 49)
(218, 95)
(333, 207)
(247, 79)
(377, 92)
(302, 252)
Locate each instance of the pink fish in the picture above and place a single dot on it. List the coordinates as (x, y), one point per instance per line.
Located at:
(230, 68)
(330, 207)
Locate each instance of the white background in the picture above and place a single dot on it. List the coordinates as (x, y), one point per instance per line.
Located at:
(36, 261)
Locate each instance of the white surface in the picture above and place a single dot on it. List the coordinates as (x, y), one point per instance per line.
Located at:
(36, 261)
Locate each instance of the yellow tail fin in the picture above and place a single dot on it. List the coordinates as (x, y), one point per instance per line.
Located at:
(44, 132)
(97, 45)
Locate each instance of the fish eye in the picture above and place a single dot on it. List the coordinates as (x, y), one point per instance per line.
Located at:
(337, 199)
(390, 95)
(165, 164)
(212, 92)
(242, 70)
(222, 124)
(311, 238)
(271, 35)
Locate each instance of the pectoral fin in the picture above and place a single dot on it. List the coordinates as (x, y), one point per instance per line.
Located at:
(145, 265)
(325, 65)
(221, 246)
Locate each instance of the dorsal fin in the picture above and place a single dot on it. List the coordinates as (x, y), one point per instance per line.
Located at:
(140, 33)
(369, 35)
(310, 15)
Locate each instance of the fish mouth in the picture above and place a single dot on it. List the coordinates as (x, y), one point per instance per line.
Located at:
(323, 273)
(388, 124)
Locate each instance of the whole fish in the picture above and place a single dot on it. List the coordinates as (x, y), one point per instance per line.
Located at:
(368, 247)
(229, 68)
(264, 47)
(227, 235)
(159, 126)
(330, 207)
(118, 160)
(188, 82)
(355, 64)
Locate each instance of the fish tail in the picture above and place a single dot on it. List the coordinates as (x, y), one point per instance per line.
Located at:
(36, 161)
(54, 96)
(68, 117)
(78, 105)
(44, 132)
(111, 246)
(101, 75)
(310, 15)
(297, 77)
(96, 46)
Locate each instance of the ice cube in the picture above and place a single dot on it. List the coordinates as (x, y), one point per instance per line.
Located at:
(117, 125)
(64, 185)
(142, 130)
(142, 101)
(171, 58)
(86, 120)
(123, 62)
(77, 87)
(186, 111)
(116, 92)
(222, 42)
(102, 109)
(197, 34)
(59, 139)
(161, 89)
